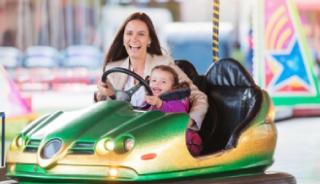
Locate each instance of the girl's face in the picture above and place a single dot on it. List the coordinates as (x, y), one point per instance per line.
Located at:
(160, 82)
(136, 39)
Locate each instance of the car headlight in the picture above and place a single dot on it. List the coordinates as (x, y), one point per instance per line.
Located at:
(129, 144)
(121, 144)
(104, 146)
(18, 142)
(109, 145)
(113, 172)
(51, 148)
(124, 144)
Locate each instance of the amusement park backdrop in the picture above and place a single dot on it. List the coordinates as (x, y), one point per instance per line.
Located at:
(51, 54)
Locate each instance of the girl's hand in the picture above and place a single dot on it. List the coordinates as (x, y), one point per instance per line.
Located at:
(154, 100)
(105, 89)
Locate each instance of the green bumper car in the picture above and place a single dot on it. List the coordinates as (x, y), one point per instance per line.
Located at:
(112, 141)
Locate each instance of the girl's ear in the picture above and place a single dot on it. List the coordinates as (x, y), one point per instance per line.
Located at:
(147, 79)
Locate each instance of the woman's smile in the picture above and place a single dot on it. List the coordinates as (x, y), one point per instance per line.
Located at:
(134, 48)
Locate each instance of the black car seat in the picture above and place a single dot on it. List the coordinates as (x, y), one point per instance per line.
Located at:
(191, 72)
(236, 100)
(208, 128)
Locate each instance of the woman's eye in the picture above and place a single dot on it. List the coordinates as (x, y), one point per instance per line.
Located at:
(128, 33)
(141, 34)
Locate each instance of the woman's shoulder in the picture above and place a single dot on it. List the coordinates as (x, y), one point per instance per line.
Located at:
(113, 64)
(161, 59)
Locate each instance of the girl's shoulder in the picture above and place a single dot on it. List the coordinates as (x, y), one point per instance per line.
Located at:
(186, 101)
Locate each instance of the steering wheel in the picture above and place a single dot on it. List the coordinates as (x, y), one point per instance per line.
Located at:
(126, 95)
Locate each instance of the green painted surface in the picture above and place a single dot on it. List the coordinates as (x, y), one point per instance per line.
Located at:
(115, 119)
(226, 170)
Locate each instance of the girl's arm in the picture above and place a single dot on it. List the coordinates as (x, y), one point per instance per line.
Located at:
(174, 106)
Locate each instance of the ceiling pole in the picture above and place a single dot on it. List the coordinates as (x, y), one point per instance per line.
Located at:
(215, 33)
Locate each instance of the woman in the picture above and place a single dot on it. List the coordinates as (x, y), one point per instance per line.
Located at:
(136, 47)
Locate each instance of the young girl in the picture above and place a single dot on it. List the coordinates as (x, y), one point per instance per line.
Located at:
(164, 79)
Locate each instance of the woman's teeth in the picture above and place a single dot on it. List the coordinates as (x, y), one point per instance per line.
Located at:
(135, 47)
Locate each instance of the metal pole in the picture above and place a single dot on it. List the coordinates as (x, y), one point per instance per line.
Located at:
(44, 24)
(3, 138)
(215, 31)
(20, 35)
(69, 18)
(97, 36)
(27, 23)
(55, 24)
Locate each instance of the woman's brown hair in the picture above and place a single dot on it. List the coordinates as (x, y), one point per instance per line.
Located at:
(176, 83)
(117, 50)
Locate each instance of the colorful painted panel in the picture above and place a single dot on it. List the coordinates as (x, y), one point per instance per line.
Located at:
(11, 101)
(285, 65)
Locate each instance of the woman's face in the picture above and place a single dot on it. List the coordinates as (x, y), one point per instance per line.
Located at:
(160, 82)
(136, 39)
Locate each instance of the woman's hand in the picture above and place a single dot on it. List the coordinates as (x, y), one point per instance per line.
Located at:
(154, 100)
(104, 89)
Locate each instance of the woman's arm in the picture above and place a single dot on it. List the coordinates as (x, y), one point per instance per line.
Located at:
(198, 100)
